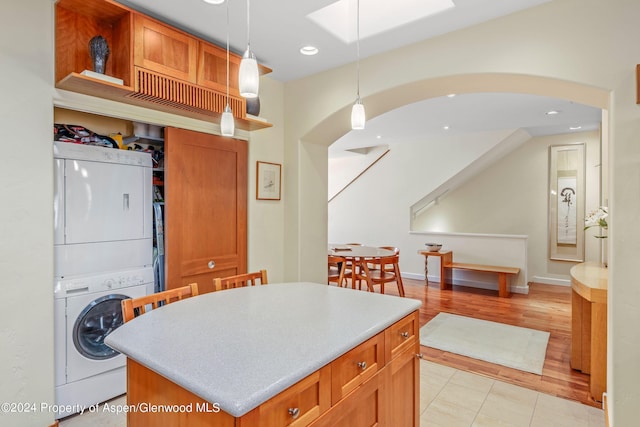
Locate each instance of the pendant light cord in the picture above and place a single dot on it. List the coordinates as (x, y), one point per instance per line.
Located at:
(248, 25)
(358, 45)
(227, 52)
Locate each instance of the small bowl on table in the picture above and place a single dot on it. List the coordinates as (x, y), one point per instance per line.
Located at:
(433, 247)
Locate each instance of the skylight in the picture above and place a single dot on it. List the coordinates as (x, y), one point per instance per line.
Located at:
(375, 17)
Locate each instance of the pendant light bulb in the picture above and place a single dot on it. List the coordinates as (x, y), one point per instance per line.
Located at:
(249, 77)
(227, 125)
(358, 117)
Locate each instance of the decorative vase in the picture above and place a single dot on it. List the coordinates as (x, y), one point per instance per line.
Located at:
(99, 51)
(253, 106)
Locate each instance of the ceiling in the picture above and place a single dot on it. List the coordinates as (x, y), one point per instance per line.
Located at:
(279, 28)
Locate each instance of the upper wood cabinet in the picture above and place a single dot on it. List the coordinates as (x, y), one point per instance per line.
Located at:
(161, 67)
(212, 69)
(160, 48)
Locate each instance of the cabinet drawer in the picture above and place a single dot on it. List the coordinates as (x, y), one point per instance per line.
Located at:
(301, 403)
(356, 366)
(401, 335)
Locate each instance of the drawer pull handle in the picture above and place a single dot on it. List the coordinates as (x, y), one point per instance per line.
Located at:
(211, 264)
(362, 365)
(404, 334)
(294, 412)
(419, 355)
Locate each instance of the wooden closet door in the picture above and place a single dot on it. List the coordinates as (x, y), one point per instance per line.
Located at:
(205, 207)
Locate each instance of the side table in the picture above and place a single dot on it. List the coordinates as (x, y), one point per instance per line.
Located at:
(446, 257)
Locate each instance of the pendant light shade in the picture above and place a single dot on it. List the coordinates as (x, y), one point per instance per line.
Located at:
(227, 124)
(357, 115)
(249, 78)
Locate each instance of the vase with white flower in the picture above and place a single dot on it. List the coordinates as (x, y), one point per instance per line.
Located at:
(598, 218)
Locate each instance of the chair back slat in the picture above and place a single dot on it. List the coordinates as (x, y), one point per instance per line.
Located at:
(134, 307)
(240, 280)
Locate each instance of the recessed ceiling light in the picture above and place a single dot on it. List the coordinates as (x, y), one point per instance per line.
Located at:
(213, 1)
(445, 127)
(378, 136)
(451, 95)
(575, 127)
(552, 112)
(309, 50)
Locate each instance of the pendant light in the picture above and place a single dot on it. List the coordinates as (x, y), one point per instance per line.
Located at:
(357, 111)
(227, 124)
(249, 78)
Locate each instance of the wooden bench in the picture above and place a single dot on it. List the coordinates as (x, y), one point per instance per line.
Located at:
(503, 272)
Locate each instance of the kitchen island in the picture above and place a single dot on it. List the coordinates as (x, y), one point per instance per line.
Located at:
(280, 354)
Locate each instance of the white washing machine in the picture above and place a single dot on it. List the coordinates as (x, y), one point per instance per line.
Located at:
(87, 308)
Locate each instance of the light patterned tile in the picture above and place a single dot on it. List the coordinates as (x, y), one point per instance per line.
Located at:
(554, 411)
(445, 414)
(434, 370)
(483, 420)
(513, 394)
(100, 418)
(508, 403)
(462, 396)
(473, 381)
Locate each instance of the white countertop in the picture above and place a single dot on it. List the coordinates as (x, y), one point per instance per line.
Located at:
(240, 347)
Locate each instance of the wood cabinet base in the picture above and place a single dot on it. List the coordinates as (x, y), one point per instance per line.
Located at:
(387, 397)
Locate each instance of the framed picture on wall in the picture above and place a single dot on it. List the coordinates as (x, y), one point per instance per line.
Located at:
(566, 202)
(268, 181)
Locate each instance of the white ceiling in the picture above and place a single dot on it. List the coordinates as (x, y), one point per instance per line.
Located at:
(279, 28)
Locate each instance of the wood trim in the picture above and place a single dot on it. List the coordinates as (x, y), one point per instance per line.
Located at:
(638, 84)
(359, 175)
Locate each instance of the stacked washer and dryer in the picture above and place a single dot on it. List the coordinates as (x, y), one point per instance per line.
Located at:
(103, 250)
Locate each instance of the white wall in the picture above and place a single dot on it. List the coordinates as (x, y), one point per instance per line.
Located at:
(26, 208)
(511, 197)
(266, 217)
(583, 51)
(387, 190)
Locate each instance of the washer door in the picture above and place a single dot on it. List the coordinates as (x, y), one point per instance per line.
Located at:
(90, 318)
(94, 323)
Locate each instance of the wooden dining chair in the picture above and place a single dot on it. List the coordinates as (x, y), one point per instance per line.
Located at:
(396, 251)
(350, 266)
(134, 307)
(336, 266)
(240, 280)
(382, 274)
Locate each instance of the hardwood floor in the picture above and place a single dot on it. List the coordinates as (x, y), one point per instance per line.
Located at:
(546, 308)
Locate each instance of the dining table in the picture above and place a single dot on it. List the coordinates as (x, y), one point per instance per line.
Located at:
(356, 254)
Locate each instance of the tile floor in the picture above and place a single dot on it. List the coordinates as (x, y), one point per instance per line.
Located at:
(452, 398)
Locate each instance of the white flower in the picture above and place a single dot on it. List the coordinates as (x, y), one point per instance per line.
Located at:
(597, 218)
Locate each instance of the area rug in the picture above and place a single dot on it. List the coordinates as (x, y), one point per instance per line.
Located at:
(512, 346)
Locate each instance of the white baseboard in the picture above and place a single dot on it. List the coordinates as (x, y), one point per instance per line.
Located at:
(551, 281)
